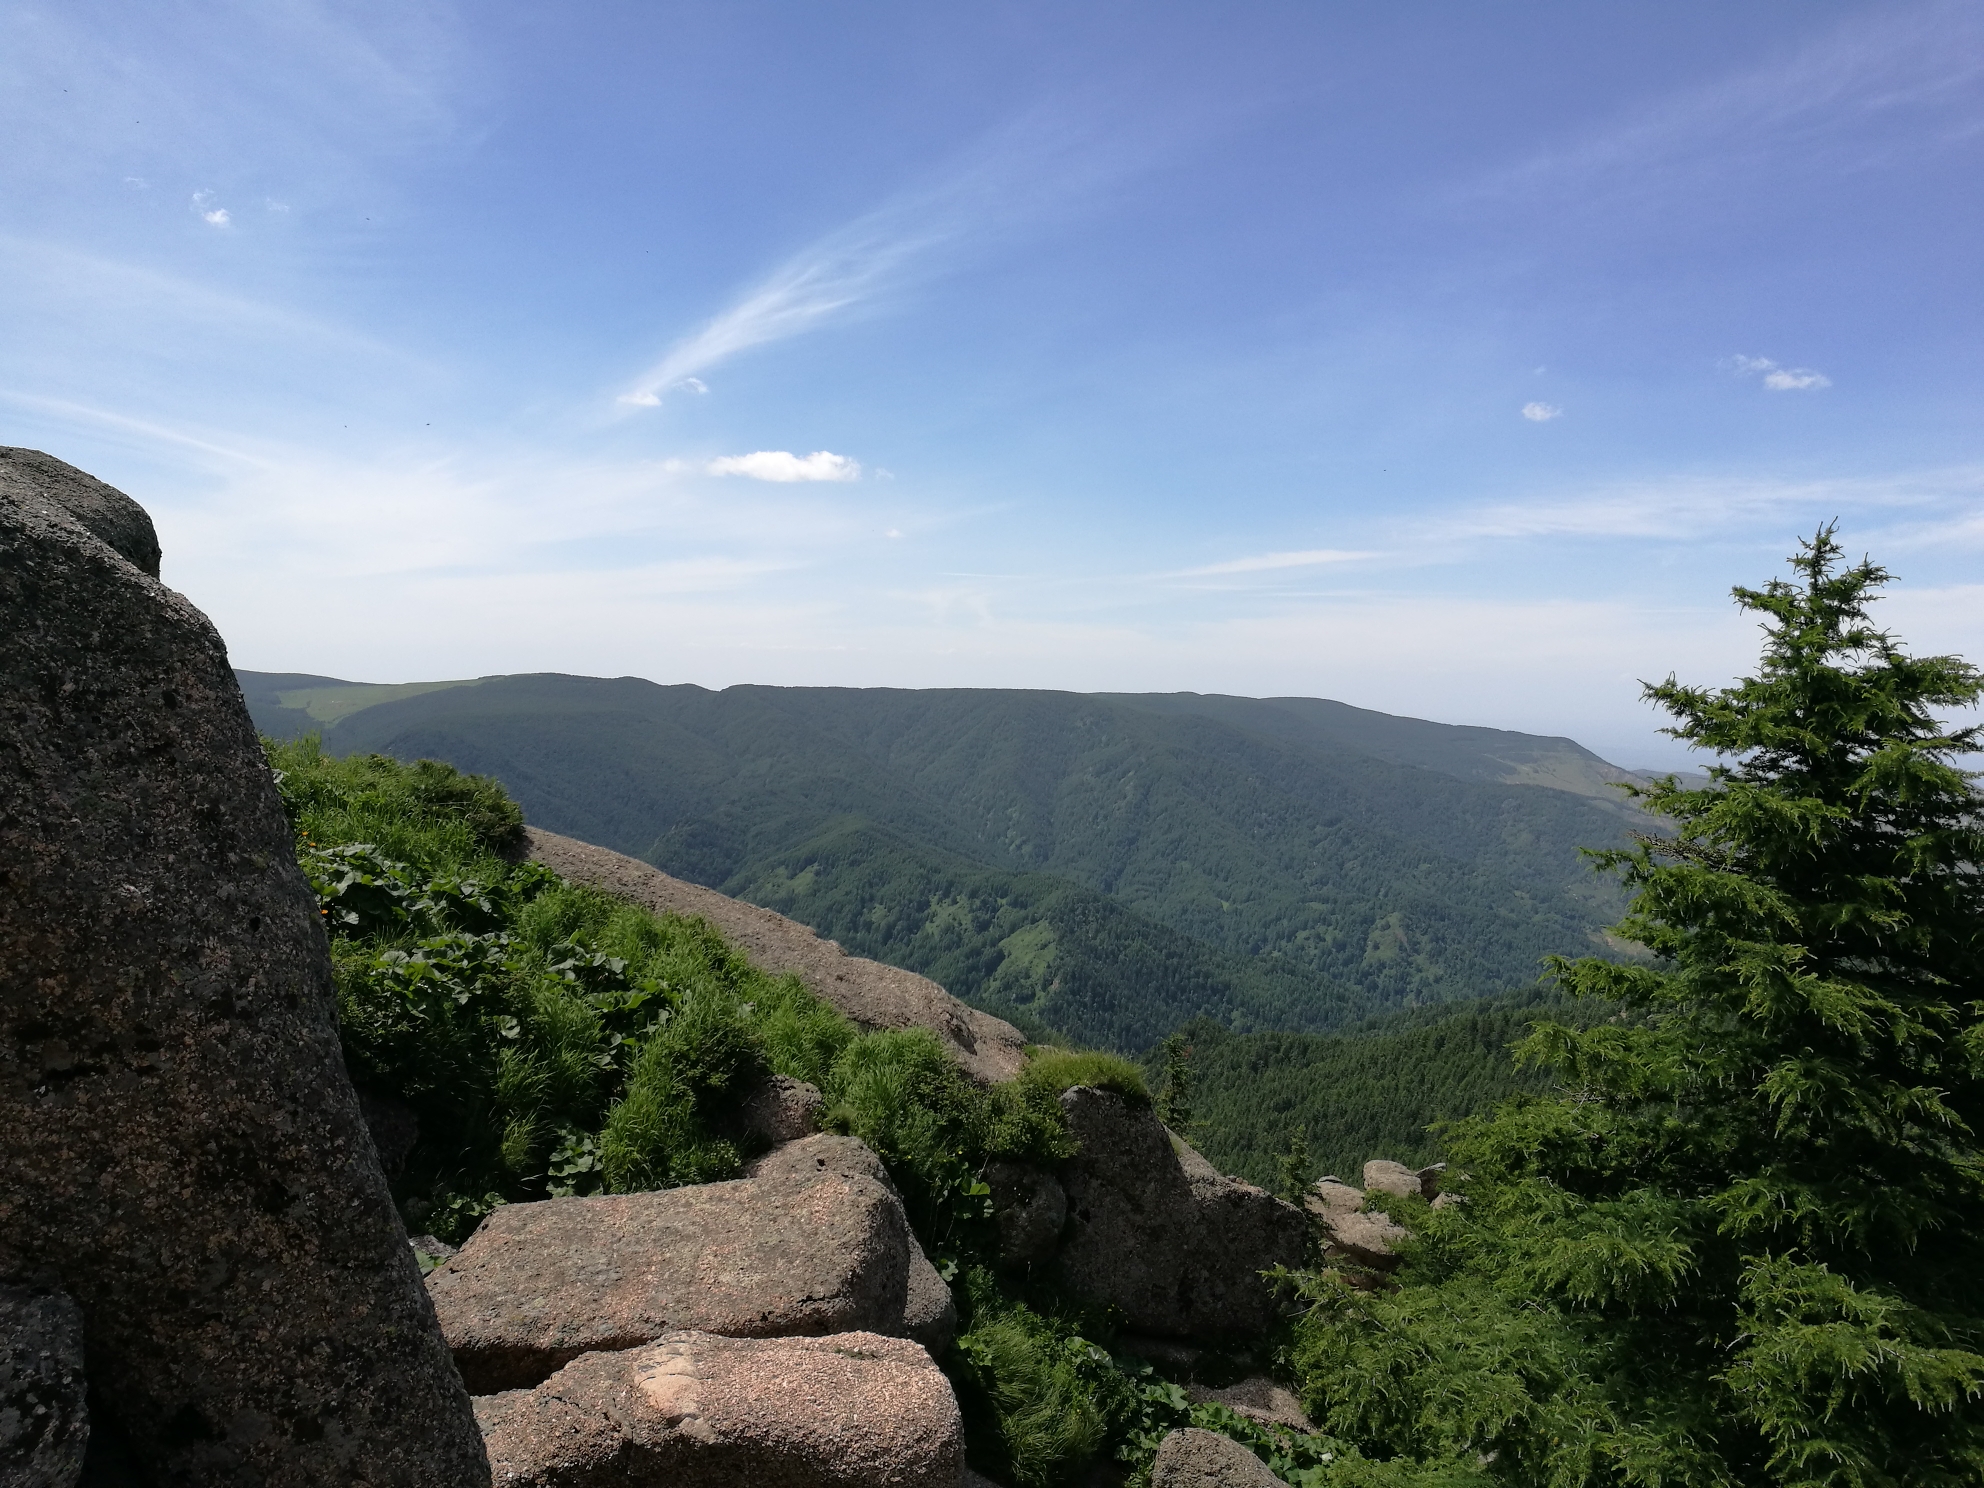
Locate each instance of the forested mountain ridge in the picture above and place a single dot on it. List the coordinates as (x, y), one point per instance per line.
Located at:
(1106, 866)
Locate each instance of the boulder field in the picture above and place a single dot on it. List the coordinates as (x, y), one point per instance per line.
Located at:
(203, 1279)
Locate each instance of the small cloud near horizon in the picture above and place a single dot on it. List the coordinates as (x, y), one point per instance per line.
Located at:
(783, 465)
(1780, 379)
(1541, 413)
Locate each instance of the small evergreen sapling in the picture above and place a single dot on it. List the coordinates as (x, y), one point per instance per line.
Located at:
(1744, 1243)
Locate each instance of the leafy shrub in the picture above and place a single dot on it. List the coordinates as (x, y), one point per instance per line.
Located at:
(550, 1038)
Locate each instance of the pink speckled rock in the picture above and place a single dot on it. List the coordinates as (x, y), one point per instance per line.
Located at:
(539, 1284)
(693, 1410)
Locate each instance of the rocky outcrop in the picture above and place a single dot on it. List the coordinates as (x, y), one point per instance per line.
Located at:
(691, 1410)
(1192, 1458)
(181, 1151)
(1030, 1209)
(869, 993)
(1156, 1231)
(1329, 1198)
(539, 1284)
(1396, 1178)
(44, 1415)
(1369, 1239)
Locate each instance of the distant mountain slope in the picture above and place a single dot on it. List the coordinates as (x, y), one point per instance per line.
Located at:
(1104, 865)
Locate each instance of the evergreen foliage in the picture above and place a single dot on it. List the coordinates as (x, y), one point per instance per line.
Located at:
(1742, 1241)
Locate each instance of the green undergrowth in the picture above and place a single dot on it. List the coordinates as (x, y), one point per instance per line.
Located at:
(552, 1040)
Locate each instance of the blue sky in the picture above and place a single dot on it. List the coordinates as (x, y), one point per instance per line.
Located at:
(1452, 359)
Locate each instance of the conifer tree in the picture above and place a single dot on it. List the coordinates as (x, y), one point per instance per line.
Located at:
(1743, 1242)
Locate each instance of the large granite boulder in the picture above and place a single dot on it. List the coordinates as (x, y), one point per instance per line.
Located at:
(930, 1314)
(180, 1148)
(691, 1410)
(871, 994)
(44, 1414)
(1157, 1231)
(1191, 1458)
(539, 1284)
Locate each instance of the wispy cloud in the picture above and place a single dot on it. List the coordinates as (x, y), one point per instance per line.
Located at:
(1819, 107)
(1269, 562)
(1781, 379)
(783, 465)
(1695, 508)
(1015, 177)
(203, 204)
(1541, 413)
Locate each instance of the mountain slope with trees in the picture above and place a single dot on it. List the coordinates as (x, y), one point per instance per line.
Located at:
(1219, 856)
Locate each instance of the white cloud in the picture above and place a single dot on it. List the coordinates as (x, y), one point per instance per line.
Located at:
(202, 203)
(1267, 562)
(1541, 413)
(218, 217)
(783, 465)
(1781, 379)
(693, 385)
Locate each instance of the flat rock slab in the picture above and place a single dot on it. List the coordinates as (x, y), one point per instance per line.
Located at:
(691, 1410)
(539, 1284)
(1192, 1458)
(867, 992)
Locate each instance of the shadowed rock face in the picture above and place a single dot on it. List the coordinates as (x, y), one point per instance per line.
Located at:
(44, 1417)
(851, 1411)
(1157, 1231)
(106, 513)
(180, 1149)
